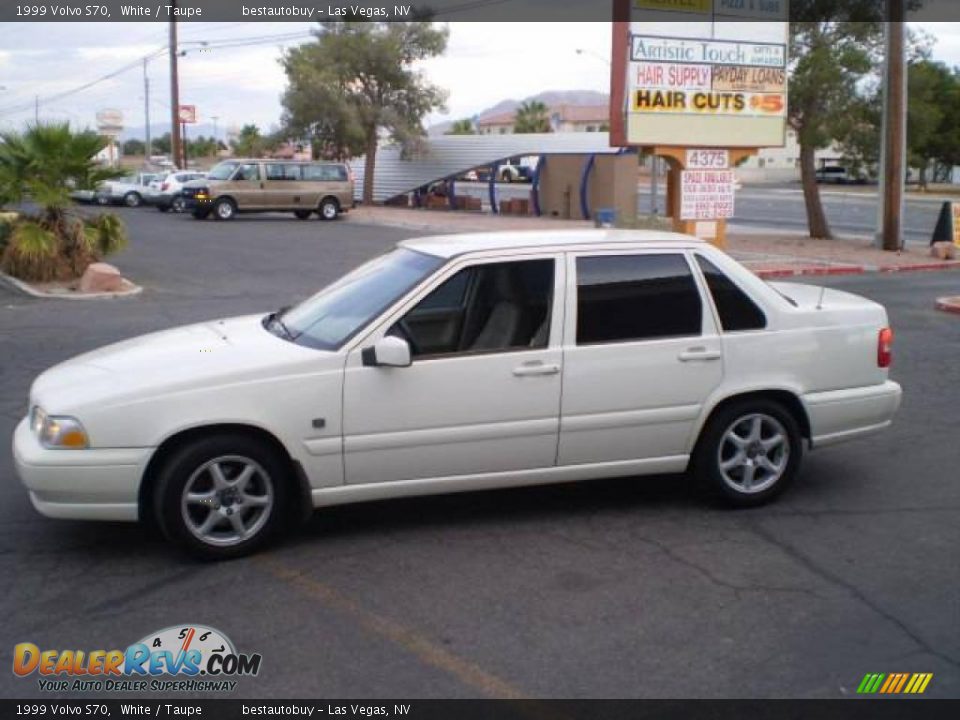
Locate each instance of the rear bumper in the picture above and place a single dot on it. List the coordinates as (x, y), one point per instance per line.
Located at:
(93, 484)
(840, 415)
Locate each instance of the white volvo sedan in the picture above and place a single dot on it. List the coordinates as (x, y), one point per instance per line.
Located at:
(456, 363)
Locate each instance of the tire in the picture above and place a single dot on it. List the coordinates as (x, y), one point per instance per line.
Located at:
(132, 199)
(201, 214)
(739, 466)
(103, 200)
(205, 508)
(329, 209)
(302, 214)
(178, 205)
(224, 209)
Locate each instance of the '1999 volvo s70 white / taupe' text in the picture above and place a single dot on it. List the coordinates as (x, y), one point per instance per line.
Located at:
(456, 363)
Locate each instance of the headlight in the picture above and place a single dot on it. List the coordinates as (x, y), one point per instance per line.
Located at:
(58, 431)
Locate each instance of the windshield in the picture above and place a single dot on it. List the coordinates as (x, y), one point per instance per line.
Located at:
(339, 311)
(223, 171)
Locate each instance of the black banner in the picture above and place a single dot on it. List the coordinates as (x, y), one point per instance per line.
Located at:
(443, 10)
(851, 709)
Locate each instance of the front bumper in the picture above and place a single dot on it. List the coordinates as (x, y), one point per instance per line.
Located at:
(91, 484)
(840, 415)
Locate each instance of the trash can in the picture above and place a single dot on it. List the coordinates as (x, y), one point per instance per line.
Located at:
(605, 217)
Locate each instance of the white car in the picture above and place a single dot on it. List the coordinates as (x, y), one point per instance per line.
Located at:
(130, 190)
(167, 195)
(456, 363)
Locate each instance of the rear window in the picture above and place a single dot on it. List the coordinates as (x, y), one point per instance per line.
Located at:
(325, 173)
(736, 310)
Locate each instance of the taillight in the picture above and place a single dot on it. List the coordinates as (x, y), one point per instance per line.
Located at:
(164, 187)
(885, 348)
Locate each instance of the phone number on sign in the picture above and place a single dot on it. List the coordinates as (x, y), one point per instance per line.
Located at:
(63, 11)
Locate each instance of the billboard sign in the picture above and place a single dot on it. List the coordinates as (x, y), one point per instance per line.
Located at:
(706, 73)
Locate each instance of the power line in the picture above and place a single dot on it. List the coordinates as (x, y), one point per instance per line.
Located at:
(225, 44)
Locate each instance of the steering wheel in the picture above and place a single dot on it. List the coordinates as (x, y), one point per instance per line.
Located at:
(404, 331)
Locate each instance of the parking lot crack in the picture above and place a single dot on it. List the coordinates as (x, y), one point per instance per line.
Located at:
(804, 561)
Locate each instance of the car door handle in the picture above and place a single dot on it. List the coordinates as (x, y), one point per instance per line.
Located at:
(535, 368)
(699, 353)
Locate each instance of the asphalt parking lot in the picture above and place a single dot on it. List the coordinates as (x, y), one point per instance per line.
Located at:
(627, 588)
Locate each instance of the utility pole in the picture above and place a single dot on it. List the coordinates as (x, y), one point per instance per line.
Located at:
(36, 109)
(894, 137)
(175, 150)
(148, 146)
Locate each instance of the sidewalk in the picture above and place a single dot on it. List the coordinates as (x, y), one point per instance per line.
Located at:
(768, 255)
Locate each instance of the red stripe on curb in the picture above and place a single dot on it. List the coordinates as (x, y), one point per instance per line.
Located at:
(924, 267)
(794, 272)
(949, 304)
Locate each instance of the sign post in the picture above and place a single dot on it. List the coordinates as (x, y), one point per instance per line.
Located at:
(702, 84)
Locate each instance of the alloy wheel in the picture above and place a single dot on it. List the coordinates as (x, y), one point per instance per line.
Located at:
(227, 500)
(754, 453)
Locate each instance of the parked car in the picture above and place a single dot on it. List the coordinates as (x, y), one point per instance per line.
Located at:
(517, 170)
(168, 195)
(838, 175)
(455, 363)
(251, 185)
(129, 190)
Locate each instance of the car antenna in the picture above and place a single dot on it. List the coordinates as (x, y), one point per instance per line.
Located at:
(823, 290)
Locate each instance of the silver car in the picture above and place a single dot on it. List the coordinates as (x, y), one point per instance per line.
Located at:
(129, 190)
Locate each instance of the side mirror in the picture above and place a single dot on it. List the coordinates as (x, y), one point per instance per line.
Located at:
(388, 351)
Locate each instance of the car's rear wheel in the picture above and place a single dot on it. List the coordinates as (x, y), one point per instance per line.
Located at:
(102, 200)
(132, 199)
(222, 496)
(178, 204)
(329, 209)
(224, 209)
(302, 214)
(749, 451)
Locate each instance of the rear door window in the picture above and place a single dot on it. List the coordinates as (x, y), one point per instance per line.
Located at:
(626, 298)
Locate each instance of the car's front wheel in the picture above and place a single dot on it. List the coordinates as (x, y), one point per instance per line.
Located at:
(749, 452)
(222, 496)
(132, 199)
(178, 204)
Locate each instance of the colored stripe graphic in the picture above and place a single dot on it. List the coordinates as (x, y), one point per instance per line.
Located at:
(894, 683)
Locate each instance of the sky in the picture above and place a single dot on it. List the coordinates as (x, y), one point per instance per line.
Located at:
(484, 63)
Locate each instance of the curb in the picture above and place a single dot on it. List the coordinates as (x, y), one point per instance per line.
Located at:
(949, 304)
(795, 272)
(923, 267)
(27, 289)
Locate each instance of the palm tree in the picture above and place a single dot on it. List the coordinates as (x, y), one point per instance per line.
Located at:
(532, 117)
(462, 127)
(44, 164)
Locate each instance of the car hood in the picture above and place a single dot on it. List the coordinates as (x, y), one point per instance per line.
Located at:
(194, 356)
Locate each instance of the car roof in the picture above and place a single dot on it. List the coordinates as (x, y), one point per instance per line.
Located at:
(448, 246)
(282, 160)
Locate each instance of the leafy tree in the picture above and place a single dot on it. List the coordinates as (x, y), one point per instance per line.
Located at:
(161, 145)
(532, 117)
(833, 46)
(358, 80)
(134, 147)
(932, 134)
(44, 163)
(462, 127)
(249, 142)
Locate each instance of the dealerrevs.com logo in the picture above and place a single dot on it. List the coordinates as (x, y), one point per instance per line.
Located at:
(185, 658)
